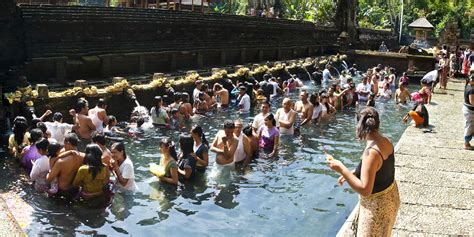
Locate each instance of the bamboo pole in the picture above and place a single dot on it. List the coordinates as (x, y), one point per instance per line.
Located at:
(230, 7)
(192, 5)
(202, 6)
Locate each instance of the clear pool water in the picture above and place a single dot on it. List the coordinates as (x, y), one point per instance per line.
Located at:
(295, 195)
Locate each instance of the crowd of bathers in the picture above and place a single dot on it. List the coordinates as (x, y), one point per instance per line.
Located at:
(73, 160)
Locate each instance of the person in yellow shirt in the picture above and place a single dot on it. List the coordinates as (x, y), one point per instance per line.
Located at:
(93, 176)
(19, 138)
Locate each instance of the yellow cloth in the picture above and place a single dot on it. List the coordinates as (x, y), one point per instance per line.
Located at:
(90, 185)
(14, 147)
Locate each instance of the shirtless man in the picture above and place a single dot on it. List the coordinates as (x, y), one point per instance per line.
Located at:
(225, 144)
(84, 125)
(99, 116)
(251, 143)
(99, 139)
(66, 166)
(186, 107)
(222, 93)
(304, 108)
(402, 94)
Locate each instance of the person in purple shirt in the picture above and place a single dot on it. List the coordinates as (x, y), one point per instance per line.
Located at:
(268, 137)
(30, 153)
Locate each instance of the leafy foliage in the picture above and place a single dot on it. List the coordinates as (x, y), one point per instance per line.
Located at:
(378, 14)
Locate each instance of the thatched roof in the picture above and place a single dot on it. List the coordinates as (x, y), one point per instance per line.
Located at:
(421, 23)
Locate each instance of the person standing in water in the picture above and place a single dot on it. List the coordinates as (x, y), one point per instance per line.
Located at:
(373, 179)
(98, 115)
(84, 125)
(225, 144)
(304, 107)
(285, 117)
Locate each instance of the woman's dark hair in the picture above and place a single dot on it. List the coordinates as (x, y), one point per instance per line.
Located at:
(42, 144)
(186, 144)
(158, 99)
(35, 135)
(120, 146)
(42, 127)
(247, 131)
(177, 96)
(168, 143)
(367, 121)
(98, 137)
(19, 129)
(198, 130)
(313, 99)
(53, 149)
(185, 97)
(271, 118)
(34, 123)
(93, 159)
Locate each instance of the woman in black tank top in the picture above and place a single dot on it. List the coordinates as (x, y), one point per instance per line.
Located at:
(373, 179)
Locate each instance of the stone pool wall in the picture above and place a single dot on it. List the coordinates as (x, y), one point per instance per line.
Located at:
(400, 61)
(57, 44)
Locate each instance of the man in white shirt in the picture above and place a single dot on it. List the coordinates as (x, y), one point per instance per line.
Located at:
(57, 128)
(196, 90)
(327, 74)
(259, 120)
(431, 78)
(363, 90)
(275, 85)
(244, 104)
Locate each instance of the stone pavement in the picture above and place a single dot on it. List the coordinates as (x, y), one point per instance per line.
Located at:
(9, 227)
(435, 175)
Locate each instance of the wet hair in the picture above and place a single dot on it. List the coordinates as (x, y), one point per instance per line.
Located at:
(367, 121)
(140, 121)
(35, 135)
(120, 146)
(34, 123)
(313, 99)
(42, 144)
(19, 129)
(112, 118)
(266, 76)
(424, 81)
(267, 103)
(169, 144)
(42, 127)
(53, 149)
(271, 118)
(174, 111)
(80, 104)
(101, 103)
(185, 97)
(57, 116)
(72, 139)
(186, 144)
(200, 95)
(93, 159)
(98, 137)
(229, 124)
(158, 99)
(198, 130)
(247, 130)
(177, 96)
(217, 86)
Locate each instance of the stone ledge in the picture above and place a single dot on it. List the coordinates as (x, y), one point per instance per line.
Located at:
(433, 220)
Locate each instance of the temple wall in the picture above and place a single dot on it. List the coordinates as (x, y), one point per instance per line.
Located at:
(64, 43)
